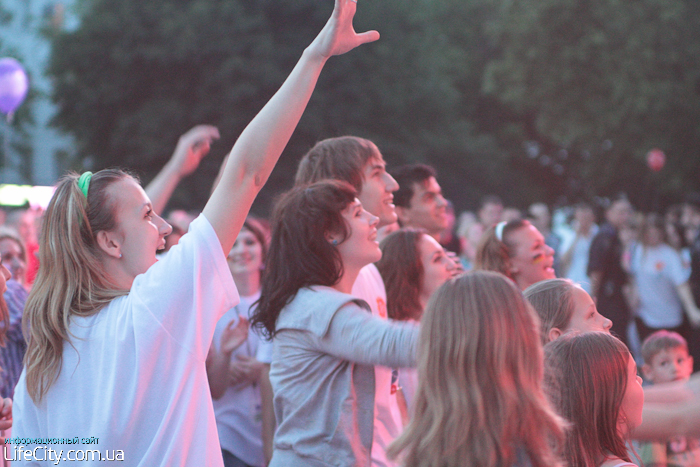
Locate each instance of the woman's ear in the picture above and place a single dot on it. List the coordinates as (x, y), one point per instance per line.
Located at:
(554, 334)
(109, 243)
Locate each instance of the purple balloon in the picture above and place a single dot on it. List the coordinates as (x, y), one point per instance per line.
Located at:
(13, 85)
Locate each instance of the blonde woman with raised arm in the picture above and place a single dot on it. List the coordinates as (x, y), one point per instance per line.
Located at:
(118, 341)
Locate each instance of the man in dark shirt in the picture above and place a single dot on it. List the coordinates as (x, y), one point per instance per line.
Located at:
(605, 268)
(691, 222)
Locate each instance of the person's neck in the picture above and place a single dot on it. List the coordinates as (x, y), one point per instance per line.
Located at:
(423, 301)
(348, 280)
(247, 284)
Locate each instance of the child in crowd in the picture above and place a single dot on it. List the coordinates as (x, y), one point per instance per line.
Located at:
(591, 379)
(479, 400)
(564, 306)
(666, 360)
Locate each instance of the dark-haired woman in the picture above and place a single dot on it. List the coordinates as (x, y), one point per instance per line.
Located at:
(238, 378)
(326, 342)
(413, 266)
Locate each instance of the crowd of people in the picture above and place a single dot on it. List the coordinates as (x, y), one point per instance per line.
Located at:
(355, 327)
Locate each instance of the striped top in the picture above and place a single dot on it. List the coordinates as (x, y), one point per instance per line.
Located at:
(12, 354)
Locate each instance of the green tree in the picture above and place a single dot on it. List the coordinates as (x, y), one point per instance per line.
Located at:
(605, 81)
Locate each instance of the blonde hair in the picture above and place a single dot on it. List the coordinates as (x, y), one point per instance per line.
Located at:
(493, 253)
(71, 279)
(479, 400)
(553, 300)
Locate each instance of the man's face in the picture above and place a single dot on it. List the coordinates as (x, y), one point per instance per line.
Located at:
(426, 209)
(377, 192)
(619, 213)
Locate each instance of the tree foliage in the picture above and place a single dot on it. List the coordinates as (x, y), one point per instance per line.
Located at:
(532, 99)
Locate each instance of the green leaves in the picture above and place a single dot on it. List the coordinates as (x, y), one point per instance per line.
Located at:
(460, 84)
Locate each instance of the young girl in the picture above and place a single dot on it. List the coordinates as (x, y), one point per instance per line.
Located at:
(118, 341)
(591, 379)
(479, 400)
(413, 266)
(564, 306)
(238, 378)
(517, 250)
(326, 341)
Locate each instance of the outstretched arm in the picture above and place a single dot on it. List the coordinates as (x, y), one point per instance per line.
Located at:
(190, 149)
(258, 148)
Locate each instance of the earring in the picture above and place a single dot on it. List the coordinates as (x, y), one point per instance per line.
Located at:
(120, 256)
(334, 242)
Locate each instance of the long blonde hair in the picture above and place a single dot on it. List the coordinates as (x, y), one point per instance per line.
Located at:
(479, 400)
(71, 279)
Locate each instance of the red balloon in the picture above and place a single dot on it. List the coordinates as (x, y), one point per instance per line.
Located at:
(656, 159)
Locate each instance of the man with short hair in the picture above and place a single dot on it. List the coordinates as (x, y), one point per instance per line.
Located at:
(419, 201)
(359, 162)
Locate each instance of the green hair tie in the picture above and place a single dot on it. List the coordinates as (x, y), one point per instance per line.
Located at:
(84, 182)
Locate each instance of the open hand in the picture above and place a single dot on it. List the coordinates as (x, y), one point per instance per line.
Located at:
(234, 336)
(192, 147)
(338, 35)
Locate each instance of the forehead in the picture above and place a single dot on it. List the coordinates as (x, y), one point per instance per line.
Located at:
(7, 244)
(376, 161)
(429, 185)
(527, 236)
(128, 196)
(246, 233)
(428, 245)
(671, 352)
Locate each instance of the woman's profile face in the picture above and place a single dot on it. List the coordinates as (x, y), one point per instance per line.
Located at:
(361, 247)
(13, 258)
(245, 256)
(140, 232)
(585, 316)
(633, 401)
(438, 268)
(531, 259)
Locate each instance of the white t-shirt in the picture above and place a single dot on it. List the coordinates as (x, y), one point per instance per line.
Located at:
(369, 286)
(135, 375)
(239, 410)
(658, 271)
(579, 260)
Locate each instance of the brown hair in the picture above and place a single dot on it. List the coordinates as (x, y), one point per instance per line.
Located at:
(586, 379)
(553, 300)
(493, 254)
(402, 271)
(71, 279)
(661, 340)
(342, 158)
(300, 254)
(479, 370)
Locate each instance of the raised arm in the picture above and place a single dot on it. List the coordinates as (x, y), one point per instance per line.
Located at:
(258, 148)
(190, 149)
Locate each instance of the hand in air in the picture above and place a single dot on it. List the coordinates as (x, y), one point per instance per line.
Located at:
(338, 35)
(234, 336)
(192, 147)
